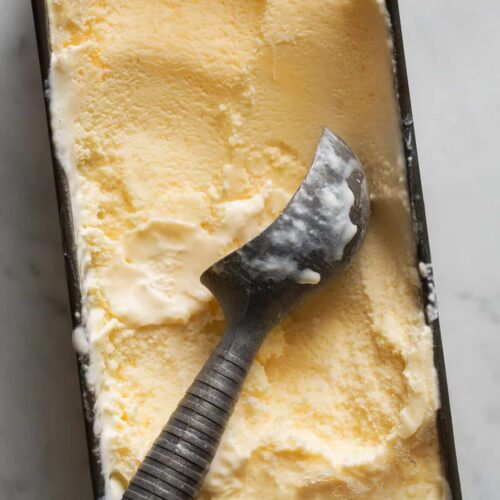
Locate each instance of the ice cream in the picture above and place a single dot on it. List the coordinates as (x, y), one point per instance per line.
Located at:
(184, 128)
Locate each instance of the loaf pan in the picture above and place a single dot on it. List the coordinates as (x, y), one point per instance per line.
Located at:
(444, 420)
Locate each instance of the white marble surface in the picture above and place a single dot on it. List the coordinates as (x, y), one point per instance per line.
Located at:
(452, 50)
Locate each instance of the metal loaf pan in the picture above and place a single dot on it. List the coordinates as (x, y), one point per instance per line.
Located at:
(444, 421)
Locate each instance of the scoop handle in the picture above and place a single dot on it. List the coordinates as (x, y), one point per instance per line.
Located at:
(178, 461)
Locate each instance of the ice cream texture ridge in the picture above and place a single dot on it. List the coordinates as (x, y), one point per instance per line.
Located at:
(184, 128)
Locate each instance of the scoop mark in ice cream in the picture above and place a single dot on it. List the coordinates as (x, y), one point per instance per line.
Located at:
(155, 276)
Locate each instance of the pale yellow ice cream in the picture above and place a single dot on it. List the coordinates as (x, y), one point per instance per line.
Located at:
(184, 127)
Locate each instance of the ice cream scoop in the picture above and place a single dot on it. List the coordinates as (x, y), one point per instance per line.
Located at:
(308, 245)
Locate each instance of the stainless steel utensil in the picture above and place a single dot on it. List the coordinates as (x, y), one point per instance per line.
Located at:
(308, 245)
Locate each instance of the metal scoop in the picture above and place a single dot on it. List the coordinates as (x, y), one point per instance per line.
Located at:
(307, 246)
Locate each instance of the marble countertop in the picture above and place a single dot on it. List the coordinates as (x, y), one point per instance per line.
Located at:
(451, 52)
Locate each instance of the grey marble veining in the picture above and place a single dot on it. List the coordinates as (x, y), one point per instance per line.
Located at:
(451, 50)
(452, 56)
(42, 452)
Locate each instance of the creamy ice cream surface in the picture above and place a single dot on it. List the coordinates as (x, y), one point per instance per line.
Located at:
(184, 127)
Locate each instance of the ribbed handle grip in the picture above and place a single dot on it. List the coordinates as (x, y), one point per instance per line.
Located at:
(179, 459)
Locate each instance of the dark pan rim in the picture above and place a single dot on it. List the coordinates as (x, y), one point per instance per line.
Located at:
(443, 417)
